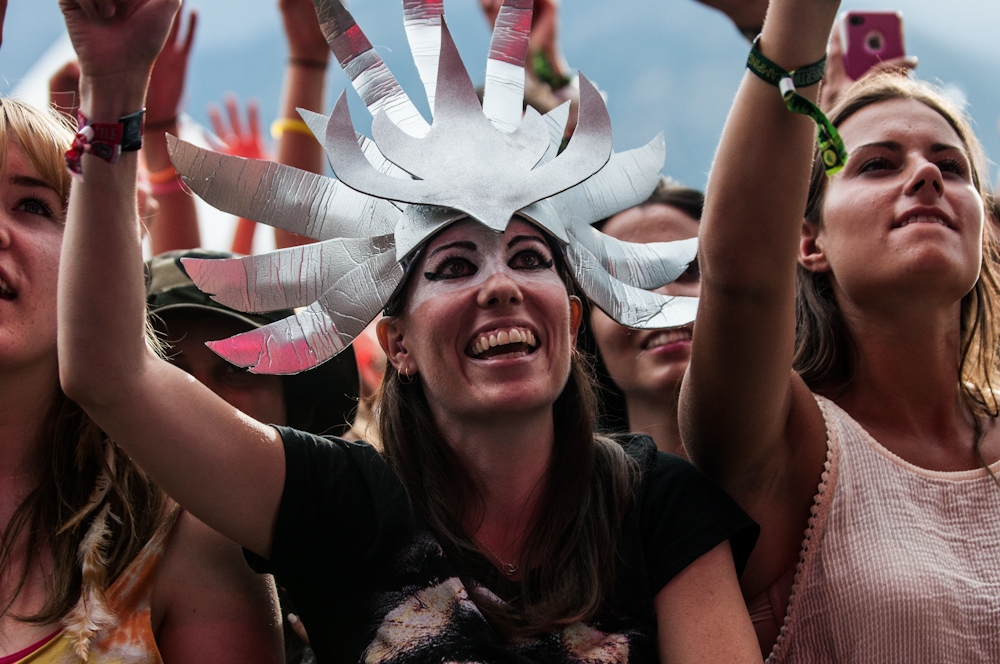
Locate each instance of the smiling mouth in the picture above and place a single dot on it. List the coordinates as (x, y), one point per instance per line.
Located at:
(6, 292)
(503, 344)
(924, 219)
(667, 337)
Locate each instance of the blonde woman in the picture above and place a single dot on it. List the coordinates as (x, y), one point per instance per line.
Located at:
(95, 561)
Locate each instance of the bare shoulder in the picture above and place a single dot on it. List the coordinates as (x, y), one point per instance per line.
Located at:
(208, 605)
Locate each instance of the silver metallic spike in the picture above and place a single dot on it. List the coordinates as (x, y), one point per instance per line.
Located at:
(284, 279)
(503, 94)
(317, 124)
(422, 22)
(362, 293)
(281, 196)
(487, 156)
(642, 265)
(321, 330)
(556, 120)
(627, 180)
(543, 214)
(419, 223)
(627, 305)
(369, 75)
(287, 346)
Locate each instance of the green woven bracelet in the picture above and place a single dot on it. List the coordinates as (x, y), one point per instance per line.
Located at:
(831, 145)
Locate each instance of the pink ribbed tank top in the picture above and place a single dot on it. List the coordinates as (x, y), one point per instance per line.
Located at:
(898, 564)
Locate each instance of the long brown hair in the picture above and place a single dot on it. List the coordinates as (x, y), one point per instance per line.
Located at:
(84, 471)
(569, 554)
(825, 352)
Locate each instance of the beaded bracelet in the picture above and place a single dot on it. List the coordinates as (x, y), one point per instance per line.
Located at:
(831, 145)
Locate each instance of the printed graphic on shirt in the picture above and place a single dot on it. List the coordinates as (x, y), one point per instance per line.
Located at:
(424, 623)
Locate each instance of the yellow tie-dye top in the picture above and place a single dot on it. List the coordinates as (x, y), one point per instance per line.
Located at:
(131, 641)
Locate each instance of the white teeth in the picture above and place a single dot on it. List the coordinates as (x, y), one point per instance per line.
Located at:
(503, 338)
(668, 337)
(4, 288)
(923, 219)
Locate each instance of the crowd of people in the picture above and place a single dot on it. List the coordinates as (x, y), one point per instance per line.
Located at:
(482, 420)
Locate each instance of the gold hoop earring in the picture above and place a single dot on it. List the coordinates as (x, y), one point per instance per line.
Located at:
(400, 373)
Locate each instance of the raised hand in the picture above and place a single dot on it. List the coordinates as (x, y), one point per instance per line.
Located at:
(241, 140)
(308, 55)
(836, 81)
(238, 139)
(118, 40)
(166, 83)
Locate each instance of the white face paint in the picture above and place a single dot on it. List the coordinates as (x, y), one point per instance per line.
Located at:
(488, 323)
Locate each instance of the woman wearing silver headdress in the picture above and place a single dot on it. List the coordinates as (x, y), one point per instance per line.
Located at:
(495, 527)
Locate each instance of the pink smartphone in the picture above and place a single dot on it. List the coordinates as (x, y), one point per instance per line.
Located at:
(870, 38)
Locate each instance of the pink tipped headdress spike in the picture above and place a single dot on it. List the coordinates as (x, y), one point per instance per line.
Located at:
(503, 94)
(411, 179)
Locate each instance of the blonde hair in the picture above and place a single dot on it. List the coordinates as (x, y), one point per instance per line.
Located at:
(93, 509)
(44, 135)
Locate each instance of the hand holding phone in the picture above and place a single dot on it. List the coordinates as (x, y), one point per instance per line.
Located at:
(870, 38)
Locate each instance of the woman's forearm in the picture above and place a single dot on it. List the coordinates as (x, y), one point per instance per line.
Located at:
(100, 277)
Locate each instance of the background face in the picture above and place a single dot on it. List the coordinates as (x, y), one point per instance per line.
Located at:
(259, 396)
(666, 66)
(648, 362)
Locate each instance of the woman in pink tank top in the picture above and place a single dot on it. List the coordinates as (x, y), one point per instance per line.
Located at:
(842, 373)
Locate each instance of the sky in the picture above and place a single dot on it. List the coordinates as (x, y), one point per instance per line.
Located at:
(665, 65)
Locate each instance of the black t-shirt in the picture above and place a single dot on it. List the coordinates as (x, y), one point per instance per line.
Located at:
(372, 584)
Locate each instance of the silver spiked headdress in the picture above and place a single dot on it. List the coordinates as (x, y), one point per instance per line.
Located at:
(485, 161)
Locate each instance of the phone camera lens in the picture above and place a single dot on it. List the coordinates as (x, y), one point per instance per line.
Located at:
(857, 20)
(874, 41)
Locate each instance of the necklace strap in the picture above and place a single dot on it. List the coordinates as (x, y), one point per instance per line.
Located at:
(510, 569)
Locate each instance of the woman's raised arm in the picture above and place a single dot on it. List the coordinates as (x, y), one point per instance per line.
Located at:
(226, 468)
(739, 395)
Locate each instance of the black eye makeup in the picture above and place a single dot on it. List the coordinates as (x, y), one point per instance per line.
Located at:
(530, 259)
(451, 267)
